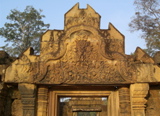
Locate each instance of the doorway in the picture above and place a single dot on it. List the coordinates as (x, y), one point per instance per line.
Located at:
(82, 106)
(87, 103)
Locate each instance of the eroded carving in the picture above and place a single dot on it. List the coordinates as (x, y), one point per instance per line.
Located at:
(28, 97)
(81, 54)
(80, 58)
(82, 17)
(82, 63)
(124, 101)
(138, 92)
(142, 56)
(42, 101)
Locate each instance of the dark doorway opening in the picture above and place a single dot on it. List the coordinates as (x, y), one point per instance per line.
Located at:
(86, 113)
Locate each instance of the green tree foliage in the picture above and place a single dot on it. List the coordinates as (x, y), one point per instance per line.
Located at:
(23, 30)
(147, 20)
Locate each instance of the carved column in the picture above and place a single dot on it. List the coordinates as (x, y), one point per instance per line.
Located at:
(28, 97)
(124, 102)
(42, 101)
(138, 93)
(153, 101)
(113, 104)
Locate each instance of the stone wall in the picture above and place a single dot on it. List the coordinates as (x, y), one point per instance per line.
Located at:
(153, 103)
(80, 55)
(7, 94)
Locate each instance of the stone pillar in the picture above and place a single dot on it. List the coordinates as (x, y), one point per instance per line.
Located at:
(153, 103)
(124, 102)
(42, 101)
(113, 104)
(28, 97)
(138, 93)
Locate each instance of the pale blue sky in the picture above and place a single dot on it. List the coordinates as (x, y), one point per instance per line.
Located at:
(118, 12)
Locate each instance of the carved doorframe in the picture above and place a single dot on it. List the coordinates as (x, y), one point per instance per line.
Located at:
(113, 99)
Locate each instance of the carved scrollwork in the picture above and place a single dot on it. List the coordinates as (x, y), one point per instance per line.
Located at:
(82, 64)
(110, 49)
(54, 48)
(23, 67)
(82, 18)
(81, 72)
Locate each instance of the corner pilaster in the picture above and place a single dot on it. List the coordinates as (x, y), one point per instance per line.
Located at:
(42, 101)
(28, 97)
(138, 93)
(124, 102)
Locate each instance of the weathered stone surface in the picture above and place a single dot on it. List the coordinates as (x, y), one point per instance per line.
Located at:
(5, 61)
(28, 97)
(76, 16)
(147, 73)
(142, 56)
(42, 101)
(153, 101)
(5, 95)
(17, 109)
(81, 54)
(156, 58)
(16, 94)
(124, 102)
(138, 93)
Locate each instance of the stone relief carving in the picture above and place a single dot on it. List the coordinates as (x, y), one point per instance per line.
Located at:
(111, 49)
(124, 101)
(80, 58)
(28, 98)
(145, 73)
(80, 54)
(142, 56)
(82, 63)
(82, 18)
(54, 46)
(42, 101)
(138, 95)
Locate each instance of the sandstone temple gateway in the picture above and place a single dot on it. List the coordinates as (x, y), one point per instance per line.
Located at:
(81, 71)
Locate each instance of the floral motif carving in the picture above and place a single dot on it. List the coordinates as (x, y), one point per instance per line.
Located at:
(114, 45)
(82, 72)
(82, 64)
(82, 18)
(80, 54)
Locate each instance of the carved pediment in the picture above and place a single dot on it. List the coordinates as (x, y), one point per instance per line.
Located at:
(80, 54)
(81, 61)
(76, 16)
